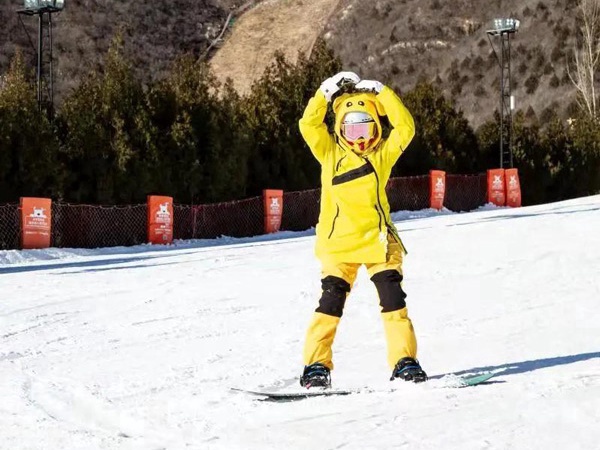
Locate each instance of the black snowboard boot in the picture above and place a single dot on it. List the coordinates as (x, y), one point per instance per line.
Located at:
(315, 375)
(409, 369)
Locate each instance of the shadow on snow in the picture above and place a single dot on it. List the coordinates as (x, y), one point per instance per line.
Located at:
(527, 366)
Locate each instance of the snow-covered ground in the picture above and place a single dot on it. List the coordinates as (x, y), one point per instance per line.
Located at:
(137, 348)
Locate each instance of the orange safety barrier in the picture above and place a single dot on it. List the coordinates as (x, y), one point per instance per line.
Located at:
(437, 189)
(495, 187)
(36, 222)
(160, 219)
(273, 208)
(513, 188)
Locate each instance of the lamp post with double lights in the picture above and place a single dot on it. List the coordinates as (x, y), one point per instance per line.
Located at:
(504, 28)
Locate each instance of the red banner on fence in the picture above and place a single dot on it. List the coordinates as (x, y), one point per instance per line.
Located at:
(273, 207)
(437, 189)
(36, 222)
(495, 187)
(513, 188)
(160, 219)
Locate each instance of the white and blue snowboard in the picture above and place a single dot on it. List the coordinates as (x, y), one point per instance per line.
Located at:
(450, 381)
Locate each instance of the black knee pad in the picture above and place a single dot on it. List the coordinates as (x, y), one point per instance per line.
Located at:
(334, 295)
(391, 295)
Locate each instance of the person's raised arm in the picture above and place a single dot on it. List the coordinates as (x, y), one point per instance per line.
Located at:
(312, 124)
(402, 122)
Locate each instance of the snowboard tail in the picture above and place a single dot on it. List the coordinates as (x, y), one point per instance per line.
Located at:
(474, 380)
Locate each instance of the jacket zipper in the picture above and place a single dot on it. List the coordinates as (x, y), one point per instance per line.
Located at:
(380, 209)
(379, 214)
(337, 213)
(387, 225)
(337, 166)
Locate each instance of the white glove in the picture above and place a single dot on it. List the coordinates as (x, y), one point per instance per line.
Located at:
(333, 84)
(369, 86)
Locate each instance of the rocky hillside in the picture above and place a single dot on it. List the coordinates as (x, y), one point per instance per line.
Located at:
(396, 41)
(289, 26)
(402, 41)
(154, 33)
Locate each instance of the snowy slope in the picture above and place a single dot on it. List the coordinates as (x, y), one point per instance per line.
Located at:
(136, 348)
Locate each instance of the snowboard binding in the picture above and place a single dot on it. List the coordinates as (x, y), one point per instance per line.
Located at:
(409, 369)
(316, 375)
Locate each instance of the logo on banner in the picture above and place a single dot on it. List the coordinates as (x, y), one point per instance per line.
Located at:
(38, 212)
(37, 219)
(497, 183)
(439, 185)
(163, 215)
(513, 188)
(274, 207)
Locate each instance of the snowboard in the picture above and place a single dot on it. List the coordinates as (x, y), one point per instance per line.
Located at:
(454, 381)
(290, 396)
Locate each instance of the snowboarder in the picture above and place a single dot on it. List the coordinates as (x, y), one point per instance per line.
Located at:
(354, 223)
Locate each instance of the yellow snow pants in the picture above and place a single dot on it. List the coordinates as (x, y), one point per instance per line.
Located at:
(337, 282)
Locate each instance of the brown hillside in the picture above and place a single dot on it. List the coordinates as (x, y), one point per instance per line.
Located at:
(286, 25)
(395, 41)
(402, 41)
(155, 33)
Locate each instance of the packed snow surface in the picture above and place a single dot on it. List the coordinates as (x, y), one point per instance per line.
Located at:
(137, 348)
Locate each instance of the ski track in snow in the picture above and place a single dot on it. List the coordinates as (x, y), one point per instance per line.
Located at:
(137, 348)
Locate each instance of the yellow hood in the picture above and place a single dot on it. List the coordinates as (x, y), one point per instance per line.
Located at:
(358, 102)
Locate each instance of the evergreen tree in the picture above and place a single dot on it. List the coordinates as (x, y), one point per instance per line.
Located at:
(28, 144)
(529, 157)
(106, 145)
(200, 133)
(586, 139)
(179, 112)
(279, 157)
(443, 138)
(488, 138)
(190, 137)
(573, 152)
(231, 141)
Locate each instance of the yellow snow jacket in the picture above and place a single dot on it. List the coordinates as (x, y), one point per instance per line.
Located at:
(354, 219)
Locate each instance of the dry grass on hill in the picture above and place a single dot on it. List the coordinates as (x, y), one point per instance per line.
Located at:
(286, 25)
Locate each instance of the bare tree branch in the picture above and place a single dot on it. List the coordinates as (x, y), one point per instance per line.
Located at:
(587, 58)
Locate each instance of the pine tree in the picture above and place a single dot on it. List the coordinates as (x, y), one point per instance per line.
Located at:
(106, 147)
(278, 156)
(443, 137)
(28, 144)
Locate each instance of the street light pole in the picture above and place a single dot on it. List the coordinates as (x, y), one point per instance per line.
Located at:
(504, 28)
(40, 59)
(40, 8)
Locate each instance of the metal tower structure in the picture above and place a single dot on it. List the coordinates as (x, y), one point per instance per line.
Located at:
(44, 9)
(503, 29)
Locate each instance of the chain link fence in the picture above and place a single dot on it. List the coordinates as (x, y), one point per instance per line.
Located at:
(10, 228)
(184, 225)
(300, 210)
(90, 226)
(408, 193)
(465, 192)
(236, 219)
